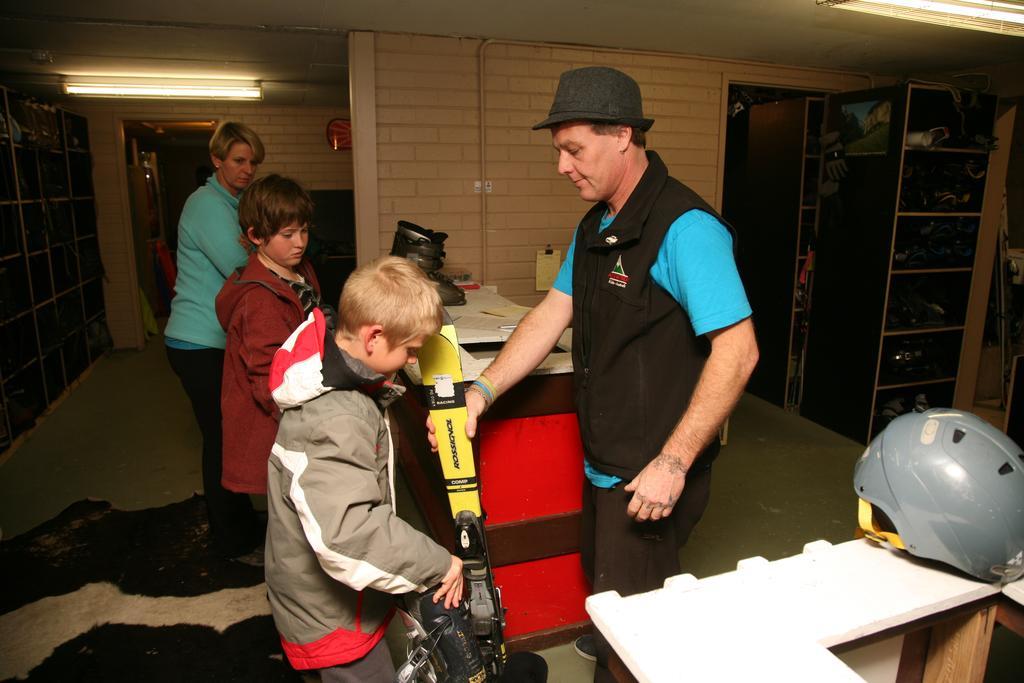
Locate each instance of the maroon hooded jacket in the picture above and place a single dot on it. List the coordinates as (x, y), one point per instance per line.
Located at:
(258, 311)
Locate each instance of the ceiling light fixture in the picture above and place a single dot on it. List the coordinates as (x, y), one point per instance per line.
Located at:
(154, 88)
(1006, 17)
(41, 56)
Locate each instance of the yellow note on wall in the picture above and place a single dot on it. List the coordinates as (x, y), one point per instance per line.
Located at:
(548, 262)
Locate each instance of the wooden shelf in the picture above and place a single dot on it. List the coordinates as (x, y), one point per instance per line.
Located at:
(953, 150)
(919, 383)
(16, 316)
(921, 330)
(20, 370)
(939, 214)
(930, 271)
(32, 148)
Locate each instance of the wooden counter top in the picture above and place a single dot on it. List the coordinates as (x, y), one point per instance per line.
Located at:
(483, 324)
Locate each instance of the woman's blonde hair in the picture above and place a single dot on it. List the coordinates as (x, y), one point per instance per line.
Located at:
(230, 132)
(394, 293)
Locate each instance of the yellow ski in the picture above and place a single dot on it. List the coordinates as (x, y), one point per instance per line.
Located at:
(441, 369)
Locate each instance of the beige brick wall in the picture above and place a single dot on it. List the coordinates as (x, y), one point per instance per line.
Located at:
(429, 151)
(428, 140)
(296, 145)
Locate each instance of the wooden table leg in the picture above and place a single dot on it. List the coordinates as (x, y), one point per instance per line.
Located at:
(1011, 615)
(959, 648)
(913, 656)
(619, 671)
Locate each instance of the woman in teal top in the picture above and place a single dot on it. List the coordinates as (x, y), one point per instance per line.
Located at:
(208, 251)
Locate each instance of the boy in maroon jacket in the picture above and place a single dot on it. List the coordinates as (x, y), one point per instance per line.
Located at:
(259, 306)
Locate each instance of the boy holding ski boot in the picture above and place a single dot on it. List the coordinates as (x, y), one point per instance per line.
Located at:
(336, 552)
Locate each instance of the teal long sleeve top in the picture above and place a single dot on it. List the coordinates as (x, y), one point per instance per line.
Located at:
(208, 252)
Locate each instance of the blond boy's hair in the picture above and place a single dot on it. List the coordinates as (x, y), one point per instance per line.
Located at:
(394, 293)
(230, 132)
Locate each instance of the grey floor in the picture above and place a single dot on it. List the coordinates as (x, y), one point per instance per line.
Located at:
(127, 435)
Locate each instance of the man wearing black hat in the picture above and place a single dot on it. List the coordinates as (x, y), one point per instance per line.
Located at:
(662, 339)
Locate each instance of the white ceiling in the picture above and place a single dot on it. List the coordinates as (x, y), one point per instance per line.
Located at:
(297, 48)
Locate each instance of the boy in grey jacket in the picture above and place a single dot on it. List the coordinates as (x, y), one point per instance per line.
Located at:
(336, 551)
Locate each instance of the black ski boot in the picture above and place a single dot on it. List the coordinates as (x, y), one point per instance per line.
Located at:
(425, 248)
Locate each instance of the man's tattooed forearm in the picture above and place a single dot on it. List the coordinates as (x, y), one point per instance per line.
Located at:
(671, 463)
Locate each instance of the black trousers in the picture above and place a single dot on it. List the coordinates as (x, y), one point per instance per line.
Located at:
(632, 557)
(235, 528)
(374, 667)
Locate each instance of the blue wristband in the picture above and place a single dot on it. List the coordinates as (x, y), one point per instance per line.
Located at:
(483, 389)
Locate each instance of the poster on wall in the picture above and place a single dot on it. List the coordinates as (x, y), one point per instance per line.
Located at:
(865, 130)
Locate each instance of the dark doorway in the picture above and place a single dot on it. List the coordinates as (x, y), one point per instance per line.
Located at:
(167, 161)
(769, 195)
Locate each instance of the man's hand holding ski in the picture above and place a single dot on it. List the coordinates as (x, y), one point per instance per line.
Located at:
(475, 407)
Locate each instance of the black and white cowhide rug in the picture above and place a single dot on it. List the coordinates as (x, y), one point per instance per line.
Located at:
(98, 594)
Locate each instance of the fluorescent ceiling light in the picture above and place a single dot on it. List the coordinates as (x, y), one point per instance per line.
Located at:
(157, 89)
(1006, 17)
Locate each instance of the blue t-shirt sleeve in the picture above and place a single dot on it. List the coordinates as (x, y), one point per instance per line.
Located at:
(696, 266)
(563, 282)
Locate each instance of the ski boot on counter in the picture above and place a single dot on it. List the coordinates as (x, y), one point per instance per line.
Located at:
(425, 248)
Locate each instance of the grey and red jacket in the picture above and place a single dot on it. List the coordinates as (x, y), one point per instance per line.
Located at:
(258, 310)
(636, 358)
(336, 551)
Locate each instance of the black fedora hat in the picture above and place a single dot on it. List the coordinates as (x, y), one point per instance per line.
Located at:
(597, 93)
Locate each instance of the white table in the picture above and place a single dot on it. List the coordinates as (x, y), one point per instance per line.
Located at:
(774, 621)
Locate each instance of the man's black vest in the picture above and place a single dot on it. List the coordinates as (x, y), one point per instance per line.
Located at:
(636, 359)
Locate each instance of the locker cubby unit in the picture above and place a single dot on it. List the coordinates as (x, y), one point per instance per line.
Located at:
(52, 315)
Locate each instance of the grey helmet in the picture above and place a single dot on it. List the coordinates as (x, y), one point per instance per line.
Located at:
(946, 485)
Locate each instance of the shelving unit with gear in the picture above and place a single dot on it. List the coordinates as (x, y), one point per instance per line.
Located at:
(897, 253)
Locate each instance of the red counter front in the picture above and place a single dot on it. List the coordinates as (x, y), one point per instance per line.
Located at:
(530, 463)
